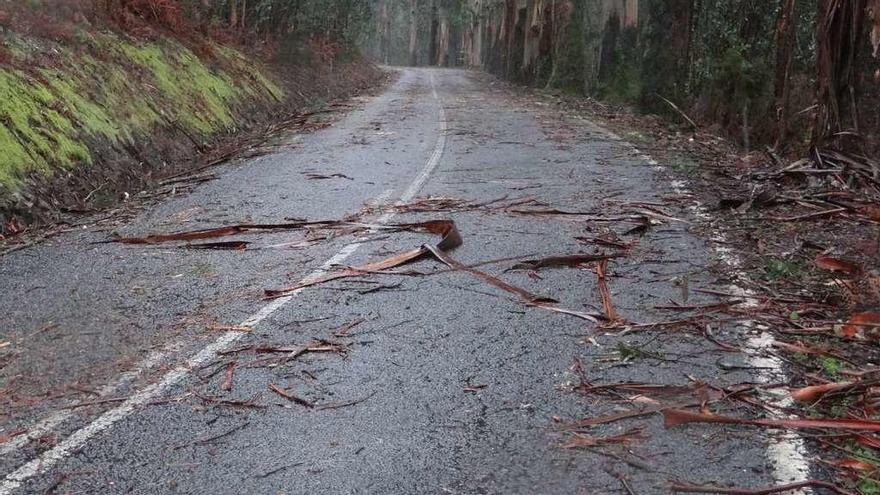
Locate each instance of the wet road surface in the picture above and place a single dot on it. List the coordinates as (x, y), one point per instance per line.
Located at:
(445, 383)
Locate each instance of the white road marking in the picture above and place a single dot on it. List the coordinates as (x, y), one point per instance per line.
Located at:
(786, 451)
(48, 424)
(419, 182)
(48, 459)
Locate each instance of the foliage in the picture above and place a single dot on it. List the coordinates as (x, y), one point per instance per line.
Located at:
(260, 24)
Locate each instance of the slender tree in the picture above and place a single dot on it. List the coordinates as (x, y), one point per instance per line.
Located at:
(785, 31)
(413, 32)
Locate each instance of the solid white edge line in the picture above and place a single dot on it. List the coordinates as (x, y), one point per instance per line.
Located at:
(787, 452)
(48, 459)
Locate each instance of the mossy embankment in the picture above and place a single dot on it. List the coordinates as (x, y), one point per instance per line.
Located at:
(104, 112)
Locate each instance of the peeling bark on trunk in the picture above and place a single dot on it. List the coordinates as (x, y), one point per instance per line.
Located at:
(839, 27)
(443, 41)
(533, 32)
(874, 17)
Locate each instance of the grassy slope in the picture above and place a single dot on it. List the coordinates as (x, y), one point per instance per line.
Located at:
(56, 101)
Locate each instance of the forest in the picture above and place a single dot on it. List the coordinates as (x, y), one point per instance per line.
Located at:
(782, 73)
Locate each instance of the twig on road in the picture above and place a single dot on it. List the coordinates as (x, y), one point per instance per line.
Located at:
(292, 398)
(202, 441)
(229, 402)
(340, 405)
(625, 483)
(278, 469)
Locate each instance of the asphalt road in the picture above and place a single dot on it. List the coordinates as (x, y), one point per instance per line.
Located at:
(113, 382)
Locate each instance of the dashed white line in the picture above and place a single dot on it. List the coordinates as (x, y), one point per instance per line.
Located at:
(48, 459)
(48, 424)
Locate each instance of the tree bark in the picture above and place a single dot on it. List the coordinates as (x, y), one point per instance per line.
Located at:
(233, 14)
(383, 32)
(840, 25)
(413, 32)
(785, 30)
(443, 42)
(243, 17)
(433, 49)
(554, 46)
(509, 36)
(874, 17)
(592, 44)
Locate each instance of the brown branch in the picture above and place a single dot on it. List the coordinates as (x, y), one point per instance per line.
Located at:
(690, 488)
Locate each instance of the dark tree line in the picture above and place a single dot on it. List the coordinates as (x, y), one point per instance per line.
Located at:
(766, 71)
(337, 21)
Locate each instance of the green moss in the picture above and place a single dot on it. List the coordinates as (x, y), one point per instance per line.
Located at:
(832, 366)
(868, 486)
(115, 90)
(14, 153)
(34, 129)
(172, 83)
(93, 118)
(203, 98)
(258, 84)
(778, 268)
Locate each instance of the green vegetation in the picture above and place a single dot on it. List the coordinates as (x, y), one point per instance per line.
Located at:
(684, 165)
(832, 366)
(868, 486)
(777, 268)
(55, 101)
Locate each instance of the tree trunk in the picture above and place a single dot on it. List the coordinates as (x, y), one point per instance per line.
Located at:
(383, 32)
(874, 16)
(443, 42)
(509, 36)
(840, 26)
(241, 19)
(554, 46)
(592, 44)
(233, 14)
(785, 30)
(433, 50)
(413, 32)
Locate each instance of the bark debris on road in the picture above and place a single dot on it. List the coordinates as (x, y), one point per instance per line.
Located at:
(313, 337)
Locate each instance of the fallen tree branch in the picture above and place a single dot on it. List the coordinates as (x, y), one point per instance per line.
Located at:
(676, 417)
(679, 111)
(690, 488)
